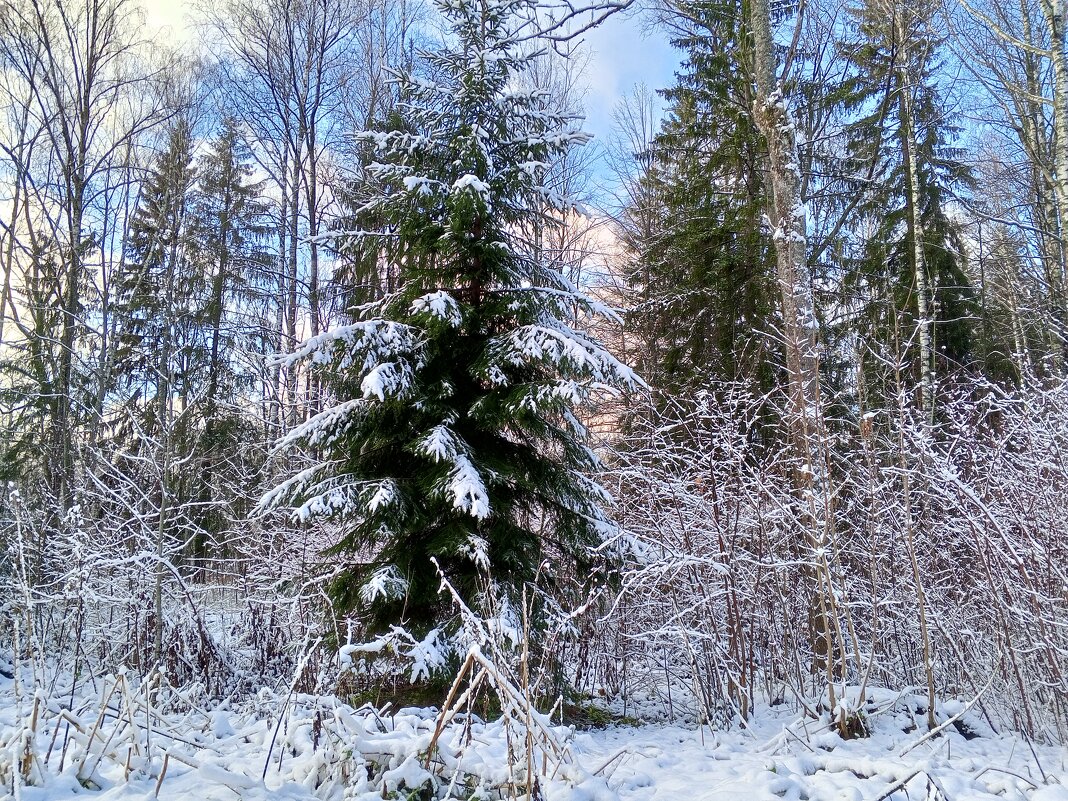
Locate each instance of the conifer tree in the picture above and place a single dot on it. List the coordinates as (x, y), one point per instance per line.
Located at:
(911, 285)
(156, 337)
(193, 248)
(157, 281)
(28, 370)
(705, 280)
(230, 229)
(454, 434)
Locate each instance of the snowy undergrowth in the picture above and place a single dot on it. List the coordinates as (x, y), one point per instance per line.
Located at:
(127, 741)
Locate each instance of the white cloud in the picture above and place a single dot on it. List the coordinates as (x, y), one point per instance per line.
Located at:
(168, 17)
(624, 51)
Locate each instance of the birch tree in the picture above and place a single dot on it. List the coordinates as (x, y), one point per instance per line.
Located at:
(800, 336)
(1016, 53)
(89, 96)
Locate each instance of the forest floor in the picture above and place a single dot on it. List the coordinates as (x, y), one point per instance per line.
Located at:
(292, 748)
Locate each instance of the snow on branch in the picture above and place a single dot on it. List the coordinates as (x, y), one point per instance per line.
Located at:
(562, 347)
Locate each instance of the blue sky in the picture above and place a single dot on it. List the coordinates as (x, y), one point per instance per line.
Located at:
(626, 50)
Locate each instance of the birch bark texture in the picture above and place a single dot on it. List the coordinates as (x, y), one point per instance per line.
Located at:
(915, 210)
(787, 217)
(800, 337)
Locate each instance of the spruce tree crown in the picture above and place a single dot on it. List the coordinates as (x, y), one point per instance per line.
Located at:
(453, 434)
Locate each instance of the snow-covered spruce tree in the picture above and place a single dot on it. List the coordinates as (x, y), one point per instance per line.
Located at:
(453, 433)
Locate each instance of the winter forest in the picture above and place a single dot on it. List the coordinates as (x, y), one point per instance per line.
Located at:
(368, 429)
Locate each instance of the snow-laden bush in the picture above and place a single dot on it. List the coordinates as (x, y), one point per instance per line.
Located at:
(110, 584)
(141, 728)
(947, 554)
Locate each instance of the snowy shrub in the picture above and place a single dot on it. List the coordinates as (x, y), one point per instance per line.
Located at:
(947, 560)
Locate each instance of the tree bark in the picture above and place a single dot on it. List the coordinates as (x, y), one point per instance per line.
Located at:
(915, 216)
(800, 334)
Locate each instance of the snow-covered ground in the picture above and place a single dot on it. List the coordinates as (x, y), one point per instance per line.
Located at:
(320, 748)
(786, 758)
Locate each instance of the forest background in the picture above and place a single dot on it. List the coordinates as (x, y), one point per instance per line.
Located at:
(835, 244)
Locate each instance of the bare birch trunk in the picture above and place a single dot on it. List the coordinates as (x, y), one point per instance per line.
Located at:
(924, 326)
(915, 219)
(292, 413)
(9, 252)
(1019, 337)
(1038, 144)
(800, 334)
(1054, 13)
